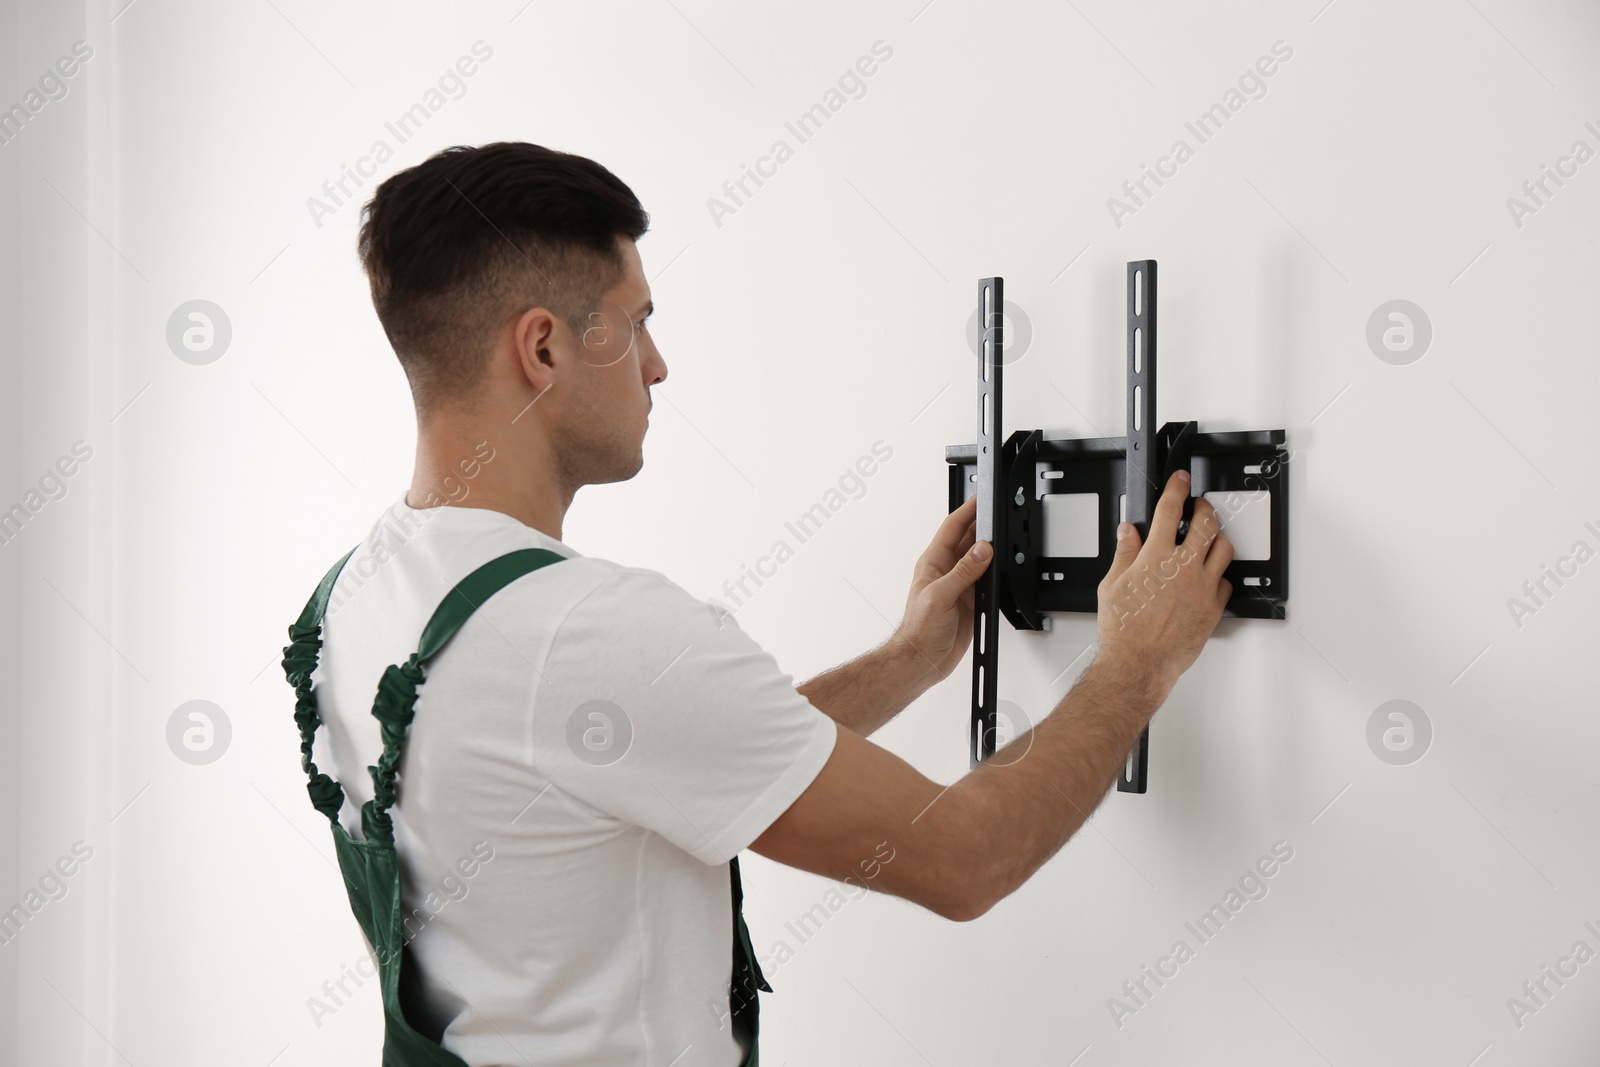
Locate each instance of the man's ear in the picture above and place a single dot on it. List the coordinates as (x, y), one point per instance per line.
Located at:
(536, 335)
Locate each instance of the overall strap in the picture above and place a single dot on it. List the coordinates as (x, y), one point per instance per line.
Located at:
(299, 663)
(395, 703)
(744, 1003)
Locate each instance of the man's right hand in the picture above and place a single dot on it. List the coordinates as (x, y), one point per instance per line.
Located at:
(1161, 600)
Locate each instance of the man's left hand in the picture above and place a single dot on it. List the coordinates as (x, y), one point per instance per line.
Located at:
(937, 627)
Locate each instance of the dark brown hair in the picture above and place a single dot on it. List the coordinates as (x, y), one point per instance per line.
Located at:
(470, 237)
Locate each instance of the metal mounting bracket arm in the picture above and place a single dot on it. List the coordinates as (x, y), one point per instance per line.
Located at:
(1012, 476)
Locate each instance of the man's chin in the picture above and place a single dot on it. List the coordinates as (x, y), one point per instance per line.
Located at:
(623, 471)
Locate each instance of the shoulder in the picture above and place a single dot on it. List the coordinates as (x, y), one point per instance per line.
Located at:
(634, 599)
(590, 597)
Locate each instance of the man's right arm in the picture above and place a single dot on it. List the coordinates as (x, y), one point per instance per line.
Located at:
(960, 849)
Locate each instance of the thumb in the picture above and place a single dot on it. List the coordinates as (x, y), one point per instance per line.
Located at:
(1128, 545)
(967, 570)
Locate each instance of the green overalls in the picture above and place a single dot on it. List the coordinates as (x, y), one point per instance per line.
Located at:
(370, 867)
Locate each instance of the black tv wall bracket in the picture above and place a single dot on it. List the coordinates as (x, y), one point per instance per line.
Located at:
(1012, 476)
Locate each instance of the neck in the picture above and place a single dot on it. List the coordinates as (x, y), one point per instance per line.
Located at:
(466, 465)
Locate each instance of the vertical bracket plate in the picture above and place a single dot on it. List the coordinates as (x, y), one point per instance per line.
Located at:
(991, 517)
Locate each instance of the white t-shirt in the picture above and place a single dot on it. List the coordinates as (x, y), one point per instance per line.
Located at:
(588, 752)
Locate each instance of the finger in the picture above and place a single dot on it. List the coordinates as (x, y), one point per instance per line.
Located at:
(949, 543)
(1224, 591)
(948, 589)
(1169, 510)
(1203, 527)
(956, 523)
(1220, 556)
(946, 545)
(935, 564)
(1127, 550)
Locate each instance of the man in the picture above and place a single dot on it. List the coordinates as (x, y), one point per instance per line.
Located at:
(594, 746)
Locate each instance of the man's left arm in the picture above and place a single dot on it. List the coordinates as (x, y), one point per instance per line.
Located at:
(929, 643)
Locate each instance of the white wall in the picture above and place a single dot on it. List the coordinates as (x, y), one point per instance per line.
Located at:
(825, 314)
(69, 700)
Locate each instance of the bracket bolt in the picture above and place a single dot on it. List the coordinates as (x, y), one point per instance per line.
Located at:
(1020, 557)
(1020, 497)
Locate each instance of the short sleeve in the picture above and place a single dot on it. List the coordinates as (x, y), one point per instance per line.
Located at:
(656, 708)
